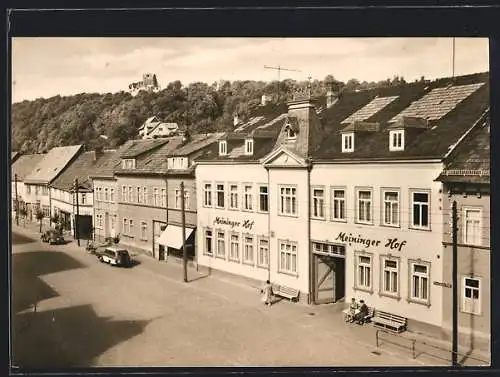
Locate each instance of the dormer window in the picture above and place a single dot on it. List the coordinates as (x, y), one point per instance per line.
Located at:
(290, 134)
(128, 163)
(249, 147)
(396, 140)
(348, 142)
(222, 148)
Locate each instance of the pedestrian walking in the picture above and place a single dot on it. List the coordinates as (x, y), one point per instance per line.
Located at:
(267, 292)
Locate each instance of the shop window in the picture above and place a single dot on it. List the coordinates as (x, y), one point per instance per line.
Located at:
(419, 282)
(318, 201)
(234, 252)
(391, 208)
(364, 272)
(248, 250)
(471, 295)
(472, 226)
(338, 205)
(288, 201)
(263, 255)
(263, 199)
(420, 210)
(233, 196)
(288, 257)
(207, 195)
(364, 204)
(221, 244)
(248, 199)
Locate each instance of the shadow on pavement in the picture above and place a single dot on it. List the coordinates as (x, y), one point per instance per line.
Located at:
(20, 239)
(68, 337)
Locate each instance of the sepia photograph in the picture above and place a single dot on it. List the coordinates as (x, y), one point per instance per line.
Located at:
(250, 201)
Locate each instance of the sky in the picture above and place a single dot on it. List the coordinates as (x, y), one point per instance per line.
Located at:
(45, 67)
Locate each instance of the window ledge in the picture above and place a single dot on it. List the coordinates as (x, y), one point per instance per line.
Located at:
(294, 274)
(318, 218)
(233, 209)
(208, 254)
(418, 302)
(338, 220)
(249, 263)
(368, 290)
(390, 225)
(363, 222)
(221, 257)
(234, 260)
(393, 296)
(287, 215)
(263, 266)
(247, 210)
(419, 229)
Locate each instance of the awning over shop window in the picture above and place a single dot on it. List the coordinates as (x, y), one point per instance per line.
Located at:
(172, 236)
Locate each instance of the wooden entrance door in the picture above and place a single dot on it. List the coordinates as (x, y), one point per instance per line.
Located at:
(329, 277)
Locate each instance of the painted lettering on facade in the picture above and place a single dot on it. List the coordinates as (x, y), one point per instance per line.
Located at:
(247, 224)
(390, 243)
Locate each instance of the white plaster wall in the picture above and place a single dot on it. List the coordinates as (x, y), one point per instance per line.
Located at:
(419, 243)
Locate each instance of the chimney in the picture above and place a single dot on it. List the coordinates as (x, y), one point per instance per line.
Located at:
(331, 98)
(264, 100)
(98, 151)
(236, 119)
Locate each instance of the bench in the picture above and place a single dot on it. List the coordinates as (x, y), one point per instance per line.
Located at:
(365, 319)
(286, 292)
(388, 321)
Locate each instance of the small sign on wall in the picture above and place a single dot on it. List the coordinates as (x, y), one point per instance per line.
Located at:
(441, 284)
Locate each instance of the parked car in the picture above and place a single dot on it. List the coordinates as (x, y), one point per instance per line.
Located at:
(114, 256)
(53, 237)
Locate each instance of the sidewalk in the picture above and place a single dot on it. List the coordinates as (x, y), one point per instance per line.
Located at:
(325, 318)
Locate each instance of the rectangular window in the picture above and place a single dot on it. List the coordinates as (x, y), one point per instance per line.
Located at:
(472, 226)
(220, 195)
(248, 250)
(233, 196)
(221, 244)
(263, 199)
(145, 195)
(248, 198)
(249, 147)
(288, 201)
(112, 195)
(163, 198)
(364, 272)
(84, 199)
(208, 242)
(318, 210)
(207, 195)
(396, 140)
(420, 210)
(419, 282)
(178, 201)
(131, 227)
(45, 191)
(364, 212)
(471, 295)
(348, 142)
(125, 229)
(288, 257)
(338, 204)
(234, 252)
(106, 195)
(156, 197)
(222, 148)
(130, 194)
(263, 255)
(139, 195)
(28, 189)
(390, 276)
(144, 230)
(124, 194)
(391, 208)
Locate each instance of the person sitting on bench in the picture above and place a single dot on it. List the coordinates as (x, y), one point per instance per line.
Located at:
(349, 314)
(361, 312)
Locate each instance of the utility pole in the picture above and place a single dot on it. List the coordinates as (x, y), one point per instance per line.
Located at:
(279, 69)
(454, 348)
(17, 200)
(77, 230)
(184, 250)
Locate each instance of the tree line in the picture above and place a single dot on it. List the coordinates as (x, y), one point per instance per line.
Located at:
(39, 125)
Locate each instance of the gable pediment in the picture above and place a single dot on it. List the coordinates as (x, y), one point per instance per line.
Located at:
(282, 157)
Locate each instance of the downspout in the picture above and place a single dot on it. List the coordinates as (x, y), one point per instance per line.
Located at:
(49, 188)
(268, 224)
(309, 255)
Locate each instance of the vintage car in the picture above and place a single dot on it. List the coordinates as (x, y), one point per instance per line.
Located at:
(114, 256)
(53, 237)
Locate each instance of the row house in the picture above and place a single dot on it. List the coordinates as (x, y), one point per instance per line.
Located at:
(47, 169)
(351, 195)
(21, 167)
(65, 204)
(466, 181)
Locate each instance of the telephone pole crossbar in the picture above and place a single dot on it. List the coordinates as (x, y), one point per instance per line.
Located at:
(279, 69)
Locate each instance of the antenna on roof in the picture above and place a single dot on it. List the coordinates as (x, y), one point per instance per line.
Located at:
(279, 69)
(453, 59)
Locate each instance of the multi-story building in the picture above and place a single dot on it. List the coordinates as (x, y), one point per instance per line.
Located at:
(63, 192)
(21, 167)
(43, 174)
(153, 128)
(466, 180)
(352, 196)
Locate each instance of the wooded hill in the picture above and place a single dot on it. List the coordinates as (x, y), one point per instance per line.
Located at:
(42, 124)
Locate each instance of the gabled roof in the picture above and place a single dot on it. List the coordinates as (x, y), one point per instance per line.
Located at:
(134, 148)
(197, 142)
(108, 162)
(52, 164)
(470, 161)
(430, 143)
(358, 125)
(81, 168)
(25, 164)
